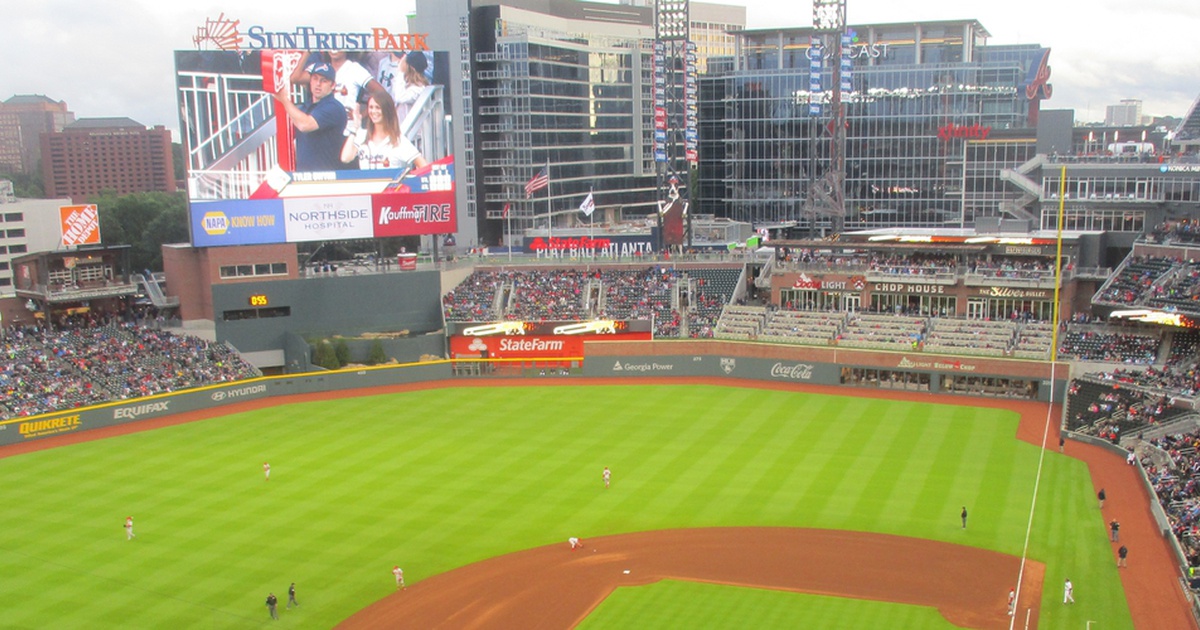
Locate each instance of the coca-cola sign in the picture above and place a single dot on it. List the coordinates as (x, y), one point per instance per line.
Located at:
(797, 372)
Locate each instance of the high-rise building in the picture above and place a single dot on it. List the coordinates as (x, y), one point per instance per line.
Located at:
(23, 119)
(560, 84)
(933, 117)
(1128, 113)
(93, 155)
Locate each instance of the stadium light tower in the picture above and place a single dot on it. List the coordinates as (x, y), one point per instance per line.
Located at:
(828, 195)
(675, 115)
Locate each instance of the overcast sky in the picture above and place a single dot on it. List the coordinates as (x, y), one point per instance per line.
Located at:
(114, 57)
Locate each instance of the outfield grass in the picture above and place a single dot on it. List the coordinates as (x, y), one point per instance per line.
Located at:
(438, 479)
(670, 605)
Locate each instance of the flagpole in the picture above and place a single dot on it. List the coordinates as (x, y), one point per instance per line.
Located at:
(508, 219)
(592, 223)
(549, 207)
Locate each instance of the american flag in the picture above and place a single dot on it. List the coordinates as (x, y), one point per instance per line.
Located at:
(538, 182)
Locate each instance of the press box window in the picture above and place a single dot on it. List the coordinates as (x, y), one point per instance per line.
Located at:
(257, 269)
(256, 313)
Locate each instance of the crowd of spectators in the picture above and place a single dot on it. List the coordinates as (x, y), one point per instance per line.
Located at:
(622, 293)
(643, 293)
(44, 370)
(473, 299)
(1091, 345)
(548, 295)
(1013, 267)
(1181, 231)
(1176, 483)
(1137, 280)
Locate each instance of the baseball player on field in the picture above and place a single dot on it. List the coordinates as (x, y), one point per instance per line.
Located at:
(575, 543)
(399, 573)
(266, 471)
(129, 528)
(607, 476)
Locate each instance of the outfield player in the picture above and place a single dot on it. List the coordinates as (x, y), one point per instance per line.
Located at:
(574, 542)
(399, 573)
(607, 476)
(129, 528)
(1068, 592)
(266, 471)
(273, 605)
(1012, 600)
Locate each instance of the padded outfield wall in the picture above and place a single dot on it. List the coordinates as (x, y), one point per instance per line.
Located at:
(765, 362)
(808, 364)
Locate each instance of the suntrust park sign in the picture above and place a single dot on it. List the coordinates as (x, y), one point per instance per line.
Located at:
(225, 33)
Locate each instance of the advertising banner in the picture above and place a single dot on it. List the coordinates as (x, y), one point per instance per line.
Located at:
(80, 225)
(609, 246)
(237, 222)
(531, 346)
(404, 214)
(327, 218)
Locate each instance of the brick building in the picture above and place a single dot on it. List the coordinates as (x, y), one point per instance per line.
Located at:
(23, 119)
(97, 154)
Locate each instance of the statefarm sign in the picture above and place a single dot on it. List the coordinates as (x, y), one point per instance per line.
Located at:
(531, 346)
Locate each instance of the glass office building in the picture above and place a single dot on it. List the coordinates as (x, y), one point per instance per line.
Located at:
(933, 116)
(568, 94)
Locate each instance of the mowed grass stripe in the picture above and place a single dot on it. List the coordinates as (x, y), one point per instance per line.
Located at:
(670, 604)
(437, 479)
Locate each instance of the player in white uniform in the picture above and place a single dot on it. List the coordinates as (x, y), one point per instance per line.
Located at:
(129, 528)
(607, 476)
(574, 542)
(1068, 592)
(266, 471)
(399, 573)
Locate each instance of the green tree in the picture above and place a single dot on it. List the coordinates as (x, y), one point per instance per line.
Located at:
(325, 356)
(376, 355)
(144, 221)
(342, 351)
(26, 186)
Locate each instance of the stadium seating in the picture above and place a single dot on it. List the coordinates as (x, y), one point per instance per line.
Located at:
(51, 370)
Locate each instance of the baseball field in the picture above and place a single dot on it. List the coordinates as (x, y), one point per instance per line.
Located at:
(440, 480)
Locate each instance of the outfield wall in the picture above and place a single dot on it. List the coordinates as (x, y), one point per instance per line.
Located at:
(630, 359)
(18, 430)
(802, 364)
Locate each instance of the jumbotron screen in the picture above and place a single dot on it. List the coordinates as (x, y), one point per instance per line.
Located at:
(286, 146)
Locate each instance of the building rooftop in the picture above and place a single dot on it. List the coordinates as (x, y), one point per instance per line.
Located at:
(118, 122)
(30, 99)
(975, 24)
